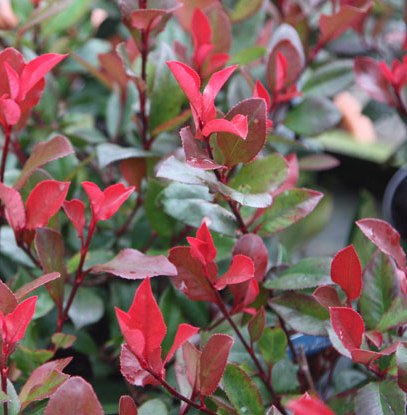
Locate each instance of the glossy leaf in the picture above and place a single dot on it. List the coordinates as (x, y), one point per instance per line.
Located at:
(43, 153)
(184, 333)
(381, 398)
(191, 278)
(234, 150)
(133, 264)
(33, 285)
(109, 153)
(87, 308)
(394, 316)
(44, 381)
(346, 271)
(288, 208)
(380, 288)
(14, 207)
(273, 345)
(385, 237)
(8, 301)
(256, 325)
(213, 362)
(327, 296)
(75, 210)
(202, 246)
(313, 116)
(51, 250)
(242, 391)
(44, 202)
(301, 312)
(348, 326)
(309, 405)
(307, 273)
(127, 406)
(75, 396)
(240, 270)
(252, 246)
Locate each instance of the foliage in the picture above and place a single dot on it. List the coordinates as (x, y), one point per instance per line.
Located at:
(172, 142)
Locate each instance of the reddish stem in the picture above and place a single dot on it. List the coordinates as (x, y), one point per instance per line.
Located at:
(79, 277)
(4, 371)
(7, 137)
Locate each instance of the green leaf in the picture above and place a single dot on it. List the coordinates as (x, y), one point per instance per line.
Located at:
(384, 398)
(62, 340)
(288, 208)
(162, 223)
(66, 18)
(242, 391)
(244, 9)
(87, 308)
(394, 316)
(313, 116)
(256, 325)
(13, 401)
(273, 345)
(191, 212)
(307, 273)
(247, 55)
(262, 175)
(178, 171)
(153, 406)
(380, 289)
(233, 149)
(108, 153)
(114, 111)
(51, 250)
(284, 376)
(301, 312)
(166, 97)
(329, 79)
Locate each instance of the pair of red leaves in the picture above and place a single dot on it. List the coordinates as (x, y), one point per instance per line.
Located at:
(203, 105)
(205, 60)
(21, 85)
(104, 204)
(197, 272)
(307, 405)
(144, 329)
(43, 202)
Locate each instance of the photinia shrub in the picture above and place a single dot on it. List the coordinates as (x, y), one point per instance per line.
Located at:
(158, 189)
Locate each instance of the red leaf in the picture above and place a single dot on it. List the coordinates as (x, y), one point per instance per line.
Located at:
(13, 80)
(146, 19)
(202, 247)
(10, 112)
(241, 270)
(261, 92)
(348, 326)
(385, 237)
(233, 149)
(370, 77)
(75, 210)
(346, 271)
(307, 405)
(36, 70)
(195, 154)
(44, 381)
(42, 153)
(213, 362)
(189, 82)
(184, 332)
(238, 125)
(75, 396)
(347, 17)
(143, 311)
(14, 207)
(8, 301)
(133, 264)
(253, 246)
(200, 28)
(15, 323)
(33, 285)
(192, 359)
(132, 371)
(192, 279)
(44, 202)
(327, 296)
(215, 84)
(244, 294)
(105, 204)
(127, 406)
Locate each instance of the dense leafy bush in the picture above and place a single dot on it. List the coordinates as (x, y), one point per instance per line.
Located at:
(176, 143)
